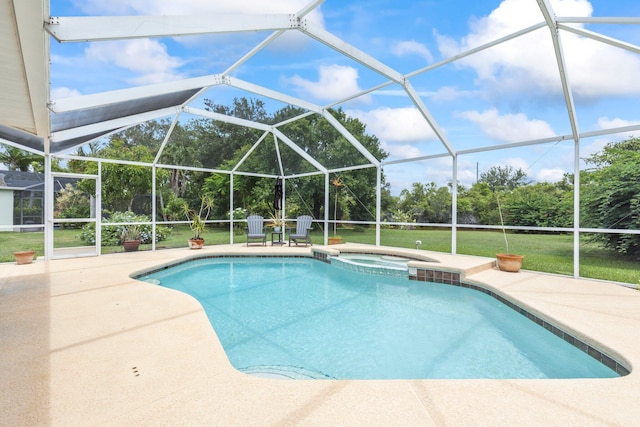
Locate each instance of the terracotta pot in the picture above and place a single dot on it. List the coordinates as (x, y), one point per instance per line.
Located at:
(196, 243)
(131, 245)
(335, 240)
(24, 257)
(509, 262)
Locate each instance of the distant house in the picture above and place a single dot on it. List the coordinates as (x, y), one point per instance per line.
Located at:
(22, 199)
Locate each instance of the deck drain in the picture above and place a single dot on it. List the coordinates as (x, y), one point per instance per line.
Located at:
(135, 371)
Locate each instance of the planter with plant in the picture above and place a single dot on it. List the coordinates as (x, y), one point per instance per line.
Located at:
(278, 221)
(335, 240)
(131, 237)
(197, 221)
(507, 261)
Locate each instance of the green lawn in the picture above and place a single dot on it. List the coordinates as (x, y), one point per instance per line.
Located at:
(552, 253)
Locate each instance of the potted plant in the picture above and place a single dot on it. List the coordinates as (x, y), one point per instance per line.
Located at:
(335, 240)
(507, 261)
(278, 221)
(337, 182)
(131, 236)
(24, 257)
(197, 221)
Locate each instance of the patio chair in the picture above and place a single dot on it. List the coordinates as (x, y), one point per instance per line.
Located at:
(303, 226)
(255, 229)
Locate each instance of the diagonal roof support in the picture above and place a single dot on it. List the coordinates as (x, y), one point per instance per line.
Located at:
(109, 125)
(550, 18)
(344, 132)
(309, 8)
(251, 150)
(166, 138)
(227, 119)
(299, 150)
(247, 56)
(478, 49)
(134, 93)
(599, 37)
(348, 50)
(417, 101)
(305, 11)
(277, 147)
(278, 96)
(294, 119)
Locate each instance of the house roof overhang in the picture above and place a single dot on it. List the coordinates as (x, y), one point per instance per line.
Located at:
(24, 87)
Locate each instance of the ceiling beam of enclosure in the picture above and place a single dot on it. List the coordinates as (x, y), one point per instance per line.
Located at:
(550, 18)
(101, 28)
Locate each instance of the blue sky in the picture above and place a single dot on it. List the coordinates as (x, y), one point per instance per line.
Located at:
(506, 94)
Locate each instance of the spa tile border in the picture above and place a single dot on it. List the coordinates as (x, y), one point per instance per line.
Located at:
(451, 278)
(321, 256)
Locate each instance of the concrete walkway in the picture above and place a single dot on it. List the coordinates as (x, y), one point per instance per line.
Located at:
(84, 344)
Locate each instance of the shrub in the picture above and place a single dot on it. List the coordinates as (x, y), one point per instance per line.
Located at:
(112, 234)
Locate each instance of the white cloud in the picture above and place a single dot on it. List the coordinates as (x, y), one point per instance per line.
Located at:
(528, 62)
(448, 93)
(148, 58)
(515, 162)
(597, 144)
(334, 82)
(401, 151)
(550, 175)
(412, 47)
(606, 123)
(63, 92)
(509, 127)
(395, 124)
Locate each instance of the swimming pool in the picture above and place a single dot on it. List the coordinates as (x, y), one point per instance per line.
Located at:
(301, 318)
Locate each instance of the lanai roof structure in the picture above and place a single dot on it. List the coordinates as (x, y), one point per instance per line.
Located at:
(568, 40)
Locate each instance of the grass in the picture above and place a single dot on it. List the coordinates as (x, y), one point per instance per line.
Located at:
(551, 253)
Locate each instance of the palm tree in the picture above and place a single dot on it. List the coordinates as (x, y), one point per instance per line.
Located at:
(16, 159)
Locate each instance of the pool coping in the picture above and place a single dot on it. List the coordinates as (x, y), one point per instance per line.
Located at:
(71, 344)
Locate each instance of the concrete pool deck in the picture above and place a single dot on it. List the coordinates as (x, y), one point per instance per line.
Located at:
(84, 344)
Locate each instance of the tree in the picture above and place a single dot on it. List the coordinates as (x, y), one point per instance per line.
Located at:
(504, 178)
(426, 203)
(611, 195)
(121, 183)
(541, 205)
(18, 160)
(478, 205)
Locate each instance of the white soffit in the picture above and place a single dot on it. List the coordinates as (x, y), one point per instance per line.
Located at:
(24, 86)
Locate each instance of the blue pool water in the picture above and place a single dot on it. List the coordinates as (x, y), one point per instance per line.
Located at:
(301, 318)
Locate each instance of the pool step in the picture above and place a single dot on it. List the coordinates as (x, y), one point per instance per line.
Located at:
(284, 372)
